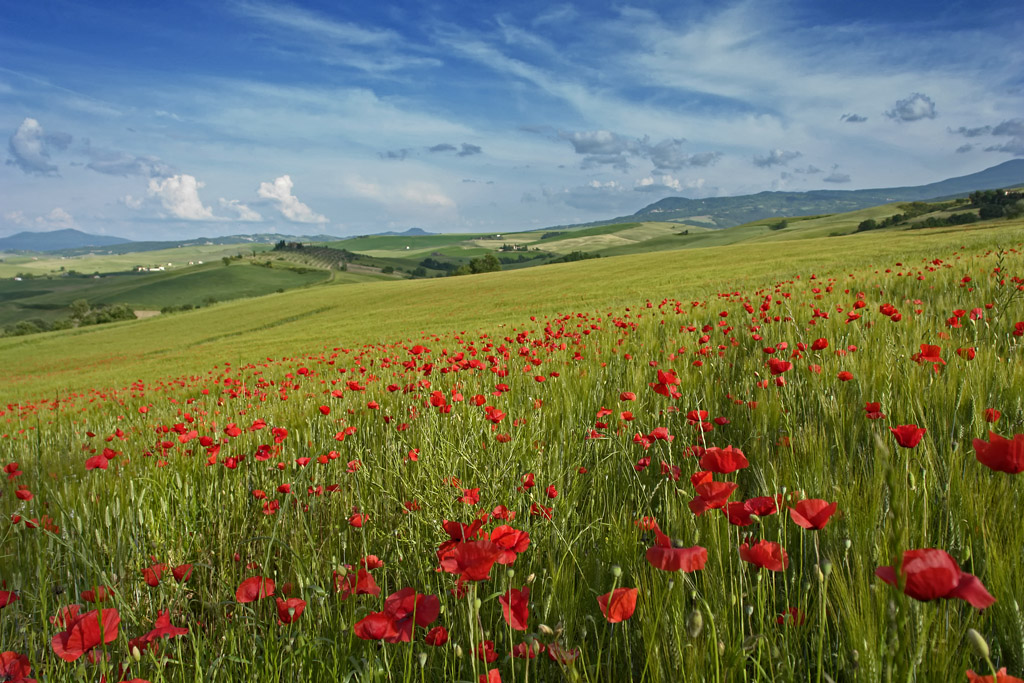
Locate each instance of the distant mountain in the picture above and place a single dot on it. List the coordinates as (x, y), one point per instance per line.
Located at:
(724, 212)
(411, 232)
(57, 239)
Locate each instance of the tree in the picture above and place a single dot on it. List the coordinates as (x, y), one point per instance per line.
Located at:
(79, 308)
(485, 264)
(226, 260)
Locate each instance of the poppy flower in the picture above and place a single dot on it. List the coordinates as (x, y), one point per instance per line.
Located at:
(7, 597)
(669, 559)
(99, 594)
(403, 611)
(711, 495)
(873, 410)
(1000, 454)
(84, 632)
(152, 574)
(908, 436)
(515, 607)
(485, 652)
(473, 560)
(492, 676)
(723, 460)
(436, 636)
(355, 583)
(812, 513)
(1001, 677)
(182, 573)
(618, 605)
(928, 354)
(793, 616)
(766, 555)
(289, 610)
(511, 541)
(931, 573)
(845, 376)
(992, 415)
(15, 668)
(254, 588)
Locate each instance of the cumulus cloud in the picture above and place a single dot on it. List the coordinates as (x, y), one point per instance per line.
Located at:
(837, 177)
(30, 147)
(465, 150)
(665, 183)
(1011, 128)
(442, 147)
(594, 196)
(280, 191)
(914, 108)
(810, 170)
(243, 211)
(1014, 146)
(963, 149)
(57, 219)
(776, 157)
(853, 118)
(179, 195)
(469, 150)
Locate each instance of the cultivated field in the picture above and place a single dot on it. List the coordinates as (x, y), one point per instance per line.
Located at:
(707, 464)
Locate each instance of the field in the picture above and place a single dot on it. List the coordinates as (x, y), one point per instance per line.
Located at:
(49, 298)
(696, 464)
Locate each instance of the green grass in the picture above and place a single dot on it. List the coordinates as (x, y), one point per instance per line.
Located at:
(49, 299)
(100, 262)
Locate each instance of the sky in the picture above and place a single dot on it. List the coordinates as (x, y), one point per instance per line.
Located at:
(194, 118)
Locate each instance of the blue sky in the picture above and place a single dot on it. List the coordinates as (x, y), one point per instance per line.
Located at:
(170, 120)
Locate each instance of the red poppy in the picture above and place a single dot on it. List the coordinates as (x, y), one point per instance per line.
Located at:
(723, 460)
(406, 608)
(908, 436)
(1001, 677)
(515, 607)
(355, 583)
(152, 574)
(992, 415)
(668, 559)
(7, 597)
(99, 594)
(793, 616)
(289, 610)
(618, 605)
(511, 541)
(930, 573)
(873, 410)
(845, 376)
(492, 676)
(812, 513)
(254, 588)
(1000, 454)
(470, 496)
(473, 560)
(436, 636)
(928, 354)
(86, 631)
(777, 366)
(485, 652)
(15, 668)
(766, 555)
(182, 573)
(711, 495)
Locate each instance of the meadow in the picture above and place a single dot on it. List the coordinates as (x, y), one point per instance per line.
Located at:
(780, 461)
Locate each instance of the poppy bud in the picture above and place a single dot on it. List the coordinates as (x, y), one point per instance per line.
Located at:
(545, 629)
(826, 568)
(422, 658)
(477, 603)
(458, 651)
(616, 571)
(510, 573)
(978, 643)
(694, 623)
(136, 653)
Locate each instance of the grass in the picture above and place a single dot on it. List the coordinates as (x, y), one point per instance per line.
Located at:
(100, 262)
(49, 299)
(383, 359)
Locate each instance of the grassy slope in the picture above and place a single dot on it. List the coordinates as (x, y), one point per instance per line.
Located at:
(12, 264)
(307, 320)
(149, 291)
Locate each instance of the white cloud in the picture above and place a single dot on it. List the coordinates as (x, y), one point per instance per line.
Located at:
(914, 108)
(179, 195)
(58, 218)
(30, 148)
(280, 191)
(415, 192)
(243, 211)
